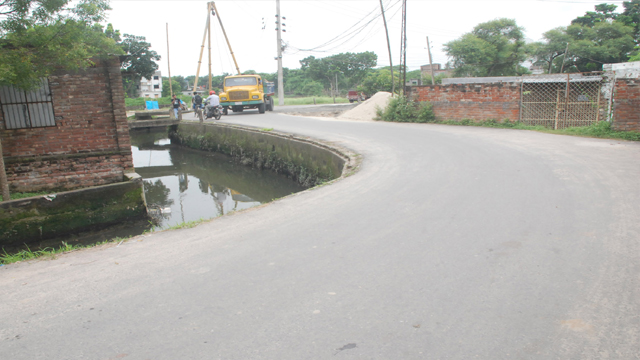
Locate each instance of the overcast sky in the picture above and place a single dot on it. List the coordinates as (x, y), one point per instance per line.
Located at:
(323, 27)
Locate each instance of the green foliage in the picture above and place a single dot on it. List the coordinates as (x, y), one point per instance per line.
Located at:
(605, 42)
(38, 38)
(379, 80)
(28, 254)
(141, 101)
(401, 109)
(350, 68)
(494, 48)
(309, 100)
(175, 85)
(550, 53)
(16, 196)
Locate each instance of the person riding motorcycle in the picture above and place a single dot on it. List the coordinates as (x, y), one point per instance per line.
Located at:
(212, 104)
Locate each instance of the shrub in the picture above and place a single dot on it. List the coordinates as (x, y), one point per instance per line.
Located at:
(401, 109)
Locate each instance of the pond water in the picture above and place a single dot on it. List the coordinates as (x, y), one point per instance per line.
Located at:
(183, 185)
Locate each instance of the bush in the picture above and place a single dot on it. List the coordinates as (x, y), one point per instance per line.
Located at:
(401, 109)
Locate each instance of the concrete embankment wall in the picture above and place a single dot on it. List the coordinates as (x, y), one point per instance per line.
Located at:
(306, 162)
(38, 218)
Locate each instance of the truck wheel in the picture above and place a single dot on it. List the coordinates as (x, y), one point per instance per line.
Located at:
(270, 104)
(225, 110)
(261, 108)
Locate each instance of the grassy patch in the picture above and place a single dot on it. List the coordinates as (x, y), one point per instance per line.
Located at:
(28, 254)
(402, 110)
(266, 129)
(16, 196)
(601, 129)
(186, 224)
(161, 101)
(309, 100)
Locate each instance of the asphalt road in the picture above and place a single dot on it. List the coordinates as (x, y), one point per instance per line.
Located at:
(449, 243)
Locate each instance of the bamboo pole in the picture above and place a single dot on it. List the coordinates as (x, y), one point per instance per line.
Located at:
(225, 35)
(204, 38)
(4, 184)
(169, 62)
(209, 27)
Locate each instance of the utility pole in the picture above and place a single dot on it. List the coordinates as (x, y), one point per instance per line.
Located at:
(566, 51)
(280, 75)
(168, 62)
(433, 80)
(403, 47)
(384, 19)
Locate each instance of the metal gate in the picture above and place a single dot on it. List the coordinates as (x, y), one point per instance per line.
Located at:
(559, 101)
(22, 109)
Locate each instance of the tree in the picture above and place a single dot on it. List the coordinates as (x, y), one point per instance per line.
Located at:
(351, 68)
(603, 43)
(631, 17)
(378, 80)
(494, 48)
(38, 37)
(138, 62)
(175, 85)
(550, 53)
(603, 13)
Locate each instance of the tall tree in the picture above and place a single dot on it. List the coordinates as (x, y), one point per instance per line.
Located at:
(493, 48)
(138, 62)
(38, 37)
(550, 53)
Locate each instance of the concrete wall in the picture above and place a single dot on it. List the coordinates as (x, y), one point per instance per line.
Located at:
(33, 219)
(304, 162)
(626, 110)
(89, 144)
(484, 101)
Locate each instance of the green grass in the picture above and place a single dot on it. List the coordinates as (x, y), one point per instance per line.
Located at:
(309, 100)
(186, 224)
(161, 101)
(28, 254)
(266, 129)
(601, 129)
(16, 196)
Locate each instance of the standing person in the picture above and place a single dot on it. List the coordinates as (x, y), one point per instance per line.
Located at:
(196, 100)
(176, 105)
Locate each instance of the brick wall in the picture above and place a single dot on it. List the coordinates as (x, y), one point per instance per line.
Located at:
(89, 145)
(498, 101)
(626, 109)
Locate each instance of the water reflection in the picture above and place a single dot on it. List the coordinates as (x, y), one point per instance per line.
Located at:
(182, 185)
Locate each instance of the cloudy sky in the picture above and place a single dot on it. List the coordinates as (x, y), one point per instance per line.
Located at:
(323, 27)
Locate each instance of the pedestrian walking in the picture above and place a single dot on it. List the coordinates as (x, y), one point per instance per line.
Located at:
(175, 102)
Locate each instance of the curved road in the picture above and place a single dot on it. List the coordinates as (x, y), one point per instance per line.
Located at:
(449, 243)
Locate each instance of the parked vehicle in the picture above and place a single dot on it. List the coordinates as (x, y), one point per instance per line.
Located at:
(247, 92)
(353, 95)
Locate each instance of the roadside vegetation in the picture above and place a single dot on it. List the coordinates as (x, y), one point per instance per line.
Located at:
(400, 109)
(16, 196)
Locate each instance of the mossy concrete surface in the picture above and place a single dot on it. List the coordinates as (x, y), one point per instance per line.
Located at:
(305, 162)
(37, 218)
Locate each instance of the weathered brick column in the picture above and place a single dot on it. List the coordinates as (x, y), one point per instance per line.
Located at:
(626, 108)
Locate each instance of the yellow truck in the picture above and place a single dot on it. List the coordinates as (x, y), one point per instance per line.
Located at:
(247, 92)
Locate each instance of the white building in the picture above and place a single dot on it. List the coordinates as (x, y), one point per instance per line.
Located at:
(151, 88)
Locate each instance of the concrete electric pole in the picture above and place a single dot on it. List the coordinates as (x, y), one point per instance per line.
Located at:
(280, 76)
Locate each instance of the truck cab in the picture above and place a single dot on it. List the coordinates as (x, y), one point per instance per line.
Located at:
(247, 92)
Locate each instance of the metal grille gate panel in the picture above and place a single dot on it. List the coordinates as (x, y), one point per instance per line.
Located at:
(559, 101)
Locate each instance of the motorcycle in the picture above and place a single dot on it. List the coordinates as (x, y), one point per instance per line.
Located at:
(213, 112)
